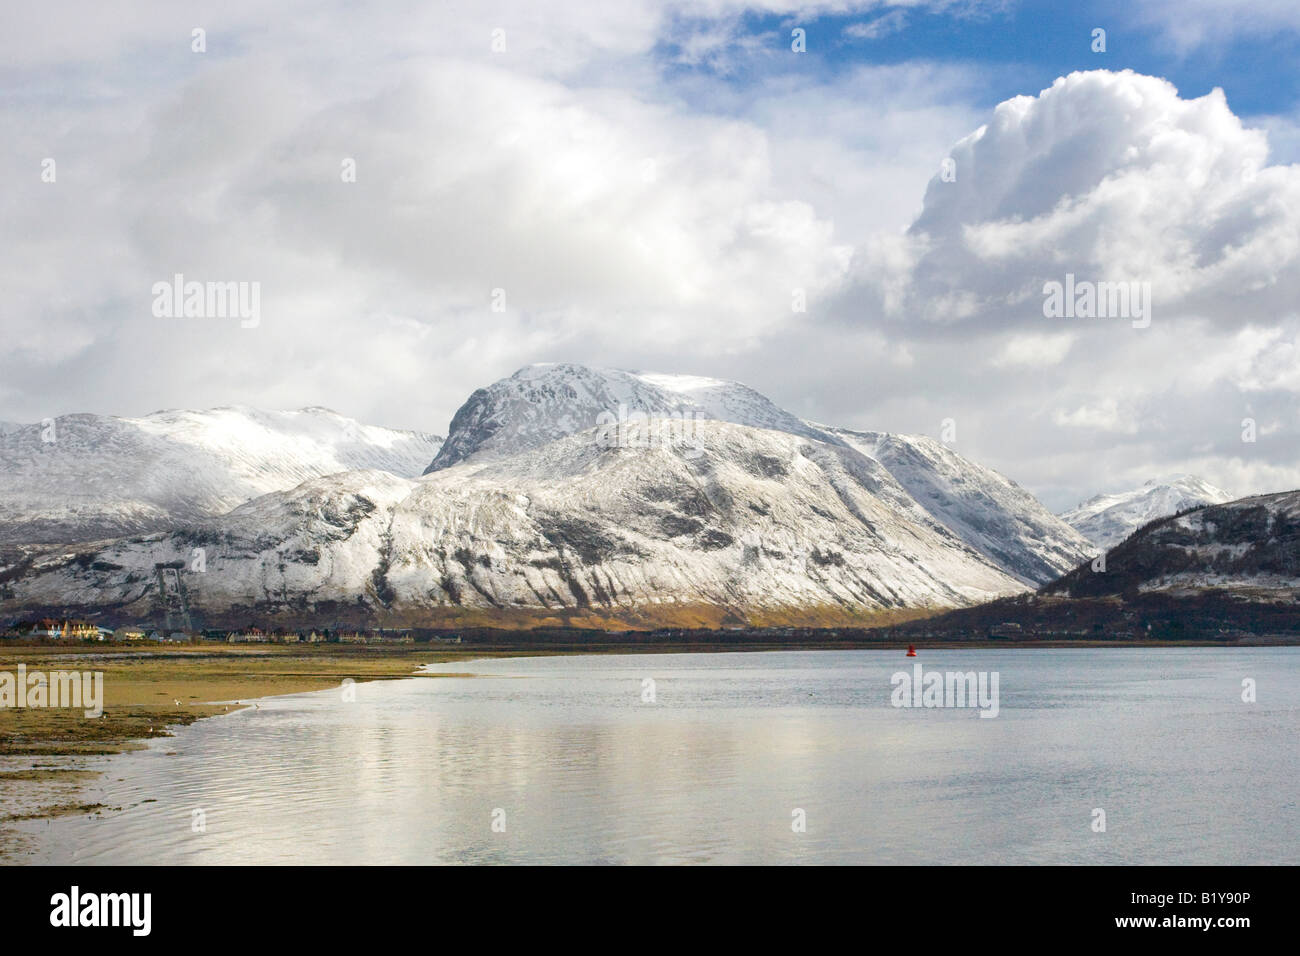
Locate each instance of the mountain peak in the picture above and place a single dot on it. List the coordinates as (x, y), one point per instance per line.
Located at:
(542, 403)
(1107, 519)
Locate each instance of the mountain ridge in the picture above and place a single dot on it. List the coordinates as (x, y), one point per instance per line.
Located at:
(757, 524)
(82, 476)
(566, 492)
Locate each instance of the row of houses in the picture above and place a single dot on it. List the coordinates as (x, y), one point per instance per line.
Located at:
(254, 635)
(50, 629)
(53, 630)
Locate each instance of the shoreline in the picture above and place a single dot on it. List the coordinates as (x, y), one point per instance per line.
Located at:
(45, 753)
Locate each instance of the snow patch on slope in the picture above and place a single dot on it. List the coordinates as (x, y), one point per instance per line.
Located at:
(988, 511)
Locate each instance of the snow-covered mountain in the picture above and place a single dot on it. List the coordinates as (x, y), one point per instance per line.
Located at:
(562, 493)
(1249, 547)
(82, 477)
(1218, 573)
(1106, 520)
(541, 403)
(731, 524)
(988, 511)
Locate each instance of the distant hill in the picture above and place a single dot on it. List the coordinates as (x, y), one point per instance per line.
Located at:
(1250, 546)
(1225, 570)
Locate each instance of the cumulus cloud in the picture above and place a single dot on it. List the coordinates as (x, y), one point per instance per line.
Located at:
(619, 223)
(1109, 177)
(1105, 177)
(606, 218)
(640, 214)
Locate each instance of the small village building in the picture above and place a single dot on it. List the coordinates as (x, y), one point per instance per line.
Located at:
(253, 635)
(66, 630)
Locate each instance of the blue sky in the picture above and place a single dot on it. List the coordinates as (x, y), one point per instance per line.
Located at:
(1019, 48)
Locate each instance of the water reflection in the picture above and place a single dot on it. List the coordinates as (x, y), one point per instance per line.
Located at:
(586, 772)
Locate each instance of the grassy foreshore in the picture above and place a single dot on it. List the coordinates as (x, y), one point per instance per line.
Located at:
(147, 691)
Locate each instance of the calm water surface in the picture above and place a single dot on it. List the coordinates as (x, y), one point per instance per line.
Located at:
(584, 771)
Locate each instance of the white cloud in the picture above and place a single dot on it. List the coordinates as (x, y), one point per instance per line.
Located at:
(1034, 350)
(1104, 415)
(1108, 176)
(1111, 177)
(881, 26)
(622, 224)
(1188, 25)
(470, 178)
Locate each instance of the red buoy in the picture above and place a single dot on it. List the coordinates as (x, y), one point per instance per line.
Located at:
(911, 651)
